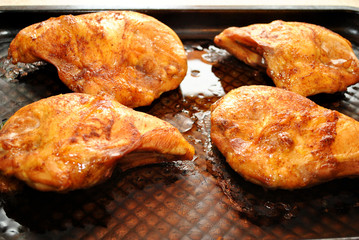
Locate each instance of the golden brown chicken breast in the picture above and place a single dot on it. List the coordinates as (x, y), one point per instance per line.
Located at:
(280, 139)
(75, 141)
(127, 55)
(300, 57)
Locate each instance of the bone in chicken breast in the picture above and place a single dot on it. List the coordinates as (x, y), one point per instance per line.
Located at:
(75, 140)
(129, 56)
(279, 139)
(300, 57)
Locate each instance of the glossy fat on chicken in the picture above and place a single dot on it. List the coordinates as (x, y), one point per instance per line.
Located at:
(129, 56)
(300, 57)
(75, 140)
(279, 139)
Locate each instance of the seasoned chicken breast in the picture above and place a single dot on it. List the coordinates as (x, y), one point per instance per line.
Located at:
(129, 56)
(75, 140)
(300, 57)
(279, 139)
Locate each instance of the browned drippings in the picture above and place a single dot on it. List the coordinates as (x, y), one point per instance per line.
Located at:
(199, 199)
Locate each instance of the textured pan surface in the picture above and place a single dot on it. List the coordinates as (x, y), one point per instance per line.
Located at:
(203, 199)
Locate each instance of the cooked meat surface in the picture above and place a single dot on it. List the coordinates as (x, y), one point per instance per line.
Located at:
(75, 140)
(280, 139)
(129, 56)
(300, 57)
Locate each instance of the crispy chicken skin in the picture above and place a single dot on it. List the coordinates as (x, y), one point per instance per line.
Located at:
(75, 140)
(279, 139)
(129, 56)
(300, 57)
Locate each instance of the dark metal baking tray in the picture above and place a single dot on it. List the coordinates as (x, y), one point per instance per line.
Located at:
(199, 199)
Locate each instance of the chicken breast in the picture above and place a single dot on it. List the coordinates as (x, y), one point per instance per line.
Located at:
(279, 139)
(129, 56)
(75, 140)
(300, 57)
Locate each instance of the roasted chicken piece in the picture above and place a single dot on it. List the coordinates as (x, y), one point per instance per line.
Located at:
(129, 56)
(300, 57)
(280, 139)
(75, 140)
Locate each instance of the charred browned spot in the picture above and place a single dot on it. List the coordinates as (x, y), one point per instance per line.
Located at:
(81, 42)
(83, 100)
(285, 141)
(39, 25)
(322, 150)
(6, 145)
(108, 128)
(73, 139)
(94, 128)
(92, 134)
(223, 124)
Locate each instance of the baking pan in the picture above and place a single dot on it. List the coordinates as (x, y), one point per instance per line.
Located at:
(199, 199)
